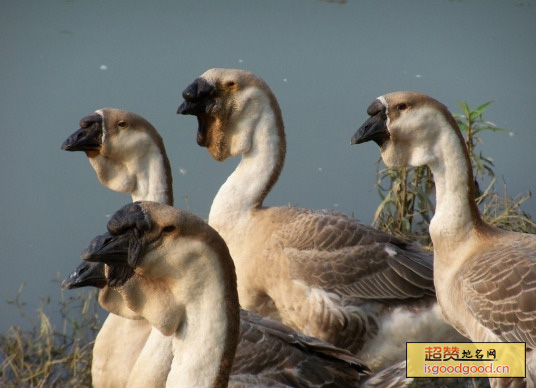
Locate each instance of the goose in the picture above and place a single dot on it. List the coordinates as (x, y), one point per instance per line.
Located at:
(320, 272)
(128, 156)
(184, 284)
(485, 277)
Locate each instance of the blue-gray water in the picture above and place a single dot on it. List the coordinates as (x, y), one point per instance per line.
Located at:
(325, 61)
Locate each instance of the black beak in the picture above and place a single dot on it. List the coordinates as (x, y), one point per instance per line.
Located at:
(196, 97)
(108, 249)
(198, 101)
(375, 128)
(117, 252)
(88, 137)
(86, 275)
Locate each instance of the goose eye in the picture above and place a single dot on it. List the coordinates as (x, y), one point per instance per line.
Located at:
(122, 124)
(402, 106)
(168, 229)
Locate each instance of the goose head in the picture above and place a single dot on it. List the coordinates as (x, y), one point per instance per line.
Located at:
(229, 104)
(119, 145)
(408, 127)
(88, 138)
(112, 132)
(166, 248)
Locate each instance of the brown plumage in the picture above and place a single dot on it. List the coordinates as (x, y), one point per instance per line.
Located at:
(485, 277)
(318, 271)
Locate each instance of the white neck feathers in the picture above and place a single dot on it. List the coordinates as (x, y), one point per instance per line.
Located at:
(456, 215)
(260, 167)
(151, 177)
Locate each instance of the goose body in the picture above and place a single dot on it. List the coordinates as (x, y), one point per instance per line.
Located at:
(320, 272)
(184, 284)
(485, 277)
(128, 156)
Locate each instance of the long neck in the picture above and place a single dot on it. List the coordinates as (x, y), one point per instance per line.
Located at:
(153, 178)
(146, 177)
(200, 347)
(199, 307)
(153, 363)
(258, 171)
(456, 215)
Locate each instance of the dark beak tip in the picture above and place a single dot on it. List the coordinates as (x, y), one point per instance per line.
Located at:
(67, 143)
(187, 108)
(181, 108)
(358, 137)
(70, 281)
(358, 141)
(85, 275)
(68, 285)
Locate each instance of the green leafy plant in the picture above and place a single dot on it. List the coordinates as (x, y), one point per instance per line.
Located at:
(472, 123)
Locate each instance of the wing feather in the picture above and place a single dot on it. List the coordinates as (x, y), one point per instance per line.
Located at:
(330, 250)
(499, 287)
(286, 356)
